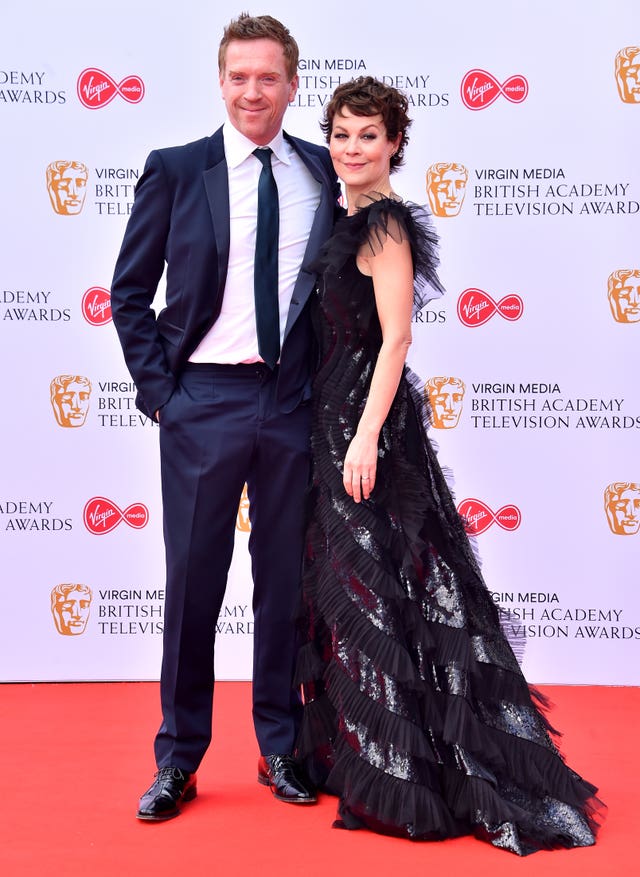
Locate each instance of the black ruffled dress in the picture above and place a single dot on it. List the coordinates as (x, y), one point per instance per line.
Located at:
(417, 715)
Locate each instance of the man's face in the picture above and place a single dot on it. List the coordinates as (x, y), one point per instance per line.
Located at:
(68, 189)
(446, 403)
(256, 88)
(624, 298)
(623, 511)
(73, 612)
(630, 79)
(446, 192)
(72, 403)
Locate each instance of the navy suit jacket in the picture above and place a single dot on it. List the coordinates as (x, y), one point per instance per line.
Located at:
(180, 217)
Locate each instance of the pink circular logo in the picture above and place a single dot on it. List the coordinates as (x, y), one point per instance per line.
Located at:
(476, 307)
(96, 88)
(480, 89)
(101, 515)
(96, 306)
(478, 517)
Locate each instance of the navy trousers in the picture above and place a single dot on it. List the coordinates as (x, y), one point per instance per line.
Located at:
(220, 429)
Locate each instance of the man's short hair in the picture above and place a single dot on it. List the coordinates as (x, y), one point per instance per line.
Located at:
(260, 27)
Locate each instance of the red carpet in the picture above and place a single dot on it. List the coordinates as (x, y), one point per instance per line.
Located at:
(77, 757)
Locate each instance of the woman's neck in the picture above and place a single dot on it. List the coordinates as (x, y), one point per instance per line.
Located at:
(357, 199)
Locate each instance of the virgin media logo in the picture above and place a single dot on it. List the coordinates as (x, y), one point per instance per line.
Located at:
(96, 88)
(480, 89)
(476, 307)
(100, 515)
(96, 306)
(478, 517)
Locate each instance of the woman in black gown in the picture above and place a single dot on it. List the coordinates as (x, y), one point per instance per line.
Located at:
(416, 715)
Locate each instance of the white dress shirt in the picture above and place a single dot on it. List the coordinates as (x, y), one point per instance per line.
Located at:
(233, 338)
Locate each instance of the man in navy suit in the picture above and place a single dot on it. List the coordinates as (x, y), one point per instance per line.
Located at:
(226, 416)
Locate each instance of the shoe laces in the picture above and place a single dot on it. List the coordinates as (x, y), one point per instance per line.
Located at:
(283, 763)
(171, 773)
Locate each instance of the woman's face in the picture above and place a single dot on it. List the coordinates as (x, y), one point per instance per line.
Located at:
(361, 151)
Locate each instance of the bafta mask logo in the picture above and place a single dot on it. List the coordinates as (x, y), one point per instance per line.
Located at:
(628, 74)
(70, 606)
(67, 186)
(624, 295)
(70, 396)
(242, 521)
(446, 187)
(622, 507)
(446, 395)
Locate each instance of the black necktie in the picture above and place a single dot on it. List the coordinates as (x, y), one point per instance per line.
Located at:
(265, 276)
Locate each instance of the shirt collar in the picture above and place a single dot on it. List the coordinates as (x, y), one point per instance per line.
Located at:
(237, 147)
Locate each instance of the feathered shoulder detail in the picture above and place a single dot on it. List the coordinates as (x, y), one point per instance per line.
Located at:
(369, 227)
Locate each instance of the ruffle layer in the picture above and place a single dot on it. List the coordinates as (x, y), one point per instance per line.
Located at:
(437, 726)
(371, 225)
(456, 804)
(445, 800)
(416, 712)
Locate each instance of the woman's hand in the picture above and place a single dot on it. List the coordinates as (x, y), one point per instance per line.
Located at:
(360, 464)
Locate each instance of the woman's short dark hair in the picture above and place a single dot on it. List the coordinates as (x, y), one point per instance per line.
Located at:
(366, 96)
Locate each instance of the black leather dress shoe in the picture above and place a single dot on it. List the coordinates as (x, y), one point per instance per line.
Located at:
(161, 800)
(286, 779)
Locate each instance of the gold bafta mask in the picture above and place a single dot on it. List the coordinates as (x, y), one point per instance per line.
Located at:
(624, 295)
(446, 187)
(70, 606)
(70, 396)
(67, 186)
(628, 74)
(446, 395)
(242, 521)
(622, 507)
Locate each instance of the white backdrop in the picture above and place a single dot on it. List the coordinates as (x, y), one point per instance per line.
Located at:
(536, 216)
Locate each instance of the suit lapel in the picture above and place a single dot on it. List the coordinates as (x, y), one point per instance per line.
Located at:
(216, 183)
(320, 230)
